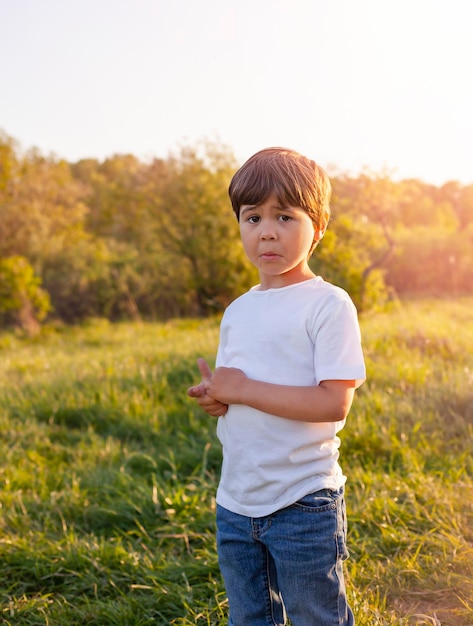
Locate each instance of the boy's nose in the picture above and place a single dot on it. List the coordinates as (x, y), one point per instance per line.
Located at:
(267, 232)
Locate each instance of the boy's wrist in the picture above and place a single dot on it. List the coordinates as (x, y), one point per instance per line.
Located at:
(250, 392)
(244, 391)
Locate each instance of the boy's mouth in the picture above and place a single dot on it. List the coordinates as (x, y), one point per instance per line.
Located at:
(268, 256)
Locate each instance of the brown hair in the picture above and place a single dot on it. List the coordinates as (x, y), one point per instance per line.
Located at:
(295, 180)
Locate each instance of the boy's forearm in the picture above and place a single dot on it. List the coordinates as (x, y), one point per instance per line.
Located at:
(328, 402)
(306, 404)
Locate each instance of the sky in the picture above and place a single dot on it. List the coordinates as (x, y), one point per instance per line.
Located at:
(378, 85)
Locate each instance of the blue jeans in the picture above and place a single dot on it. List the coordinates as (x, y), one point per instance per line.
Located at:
(291, 560)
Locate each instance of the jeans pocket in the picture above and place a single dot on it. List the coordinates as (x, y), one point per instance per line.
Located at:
(318, 501)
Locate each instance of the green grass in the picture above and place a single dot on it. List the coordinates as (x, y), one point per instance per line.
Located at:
(108, 474)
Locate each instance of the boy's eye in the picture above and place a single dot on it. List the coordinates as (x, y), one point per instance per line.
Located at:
(254, 219)
(285, 218)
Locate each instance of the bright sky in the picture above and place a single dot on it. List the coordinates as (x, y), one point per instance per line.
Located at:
(351, 83)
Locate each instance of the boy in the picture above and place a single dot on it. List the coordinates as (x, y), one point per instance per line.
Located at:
(288, 363)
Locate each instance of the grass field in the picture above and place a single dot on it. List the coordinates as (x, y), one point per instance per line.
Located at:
(108, 474)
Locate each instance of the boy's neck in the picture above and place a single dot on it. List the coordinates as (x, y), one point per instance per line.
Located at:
(277, 282)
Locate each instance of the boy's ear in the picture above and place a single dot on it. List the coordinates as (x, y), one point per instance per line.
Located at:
(318, 234)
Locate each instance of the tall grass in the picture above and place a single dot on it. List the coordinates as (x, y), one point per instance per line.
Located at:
(108, 474)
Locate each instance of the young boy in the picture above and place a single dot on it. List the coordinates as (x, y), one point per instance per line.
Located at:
(288, 363)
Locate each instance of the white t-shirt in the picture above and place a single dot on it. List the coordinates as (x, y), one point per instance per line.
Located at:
(297, 335)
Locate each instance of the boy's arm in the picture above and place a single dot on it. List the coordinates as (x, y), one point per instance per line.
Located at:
(330, 401)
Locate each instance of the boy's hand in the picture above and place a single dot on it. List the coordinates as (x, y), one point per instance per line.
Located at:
(200, 392)
(227, 384)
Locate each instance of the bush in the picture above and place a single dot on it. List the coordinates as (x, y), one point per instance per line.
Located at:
(22, 301)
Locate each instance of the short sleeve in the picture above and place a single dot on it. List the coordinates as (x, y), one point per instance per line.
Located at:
(338, 353)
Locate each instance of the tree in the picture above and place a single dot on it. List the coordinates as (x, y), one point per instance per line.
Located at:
(117, 196)
(21, 298)
(359, 243)
(8, 162)
(41, 208)
(198, 230)
(344, 258)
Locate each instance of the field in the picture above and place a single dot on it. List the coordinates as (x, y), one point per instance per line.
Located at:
(108, 473)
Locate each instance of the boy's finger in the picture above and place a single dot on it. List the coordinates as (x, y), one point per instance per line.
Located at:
(204, 369)
(193, 392)
(196, 390)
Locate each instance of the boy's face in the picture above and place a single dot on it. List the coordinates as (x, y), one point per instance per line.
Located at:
(277, 240)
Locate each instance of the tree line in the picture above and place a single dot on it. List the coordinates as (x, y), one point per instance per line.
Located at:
(122, 238)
